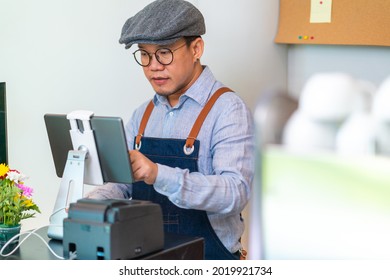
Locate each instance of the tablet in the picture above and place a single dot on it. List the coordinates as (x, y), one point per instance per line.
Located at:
(110, 142)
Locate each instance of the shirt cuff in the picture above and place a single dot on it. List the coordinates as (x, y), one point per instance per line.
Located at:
(167, 181)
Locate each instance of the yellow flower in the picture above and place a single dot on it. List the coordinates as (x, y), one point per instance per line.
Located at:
(16, 203)
(3, 169)
(17, 198)
(28, 203)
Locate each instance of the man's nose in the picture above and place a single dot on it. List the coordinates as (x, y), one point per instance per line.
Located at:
(154, 63)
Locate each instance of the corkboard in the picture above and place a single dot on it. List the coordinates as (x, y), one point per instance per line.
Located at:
(357, 22)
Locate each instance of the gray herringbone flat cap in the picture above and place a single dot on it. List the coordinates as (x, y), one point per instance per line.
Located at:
(163, 22)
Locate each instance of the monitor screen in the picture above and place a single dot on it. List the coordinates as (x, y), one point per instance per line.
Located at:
(323, 206)
(3, 125)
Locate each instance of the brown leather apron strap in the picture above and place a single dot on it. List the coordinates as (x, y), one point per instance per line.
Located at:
(203, 114)
(196, 127)
(144, 121)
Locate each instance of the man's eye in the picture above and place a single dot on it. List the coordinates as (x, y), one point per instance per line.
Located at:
(163, 52)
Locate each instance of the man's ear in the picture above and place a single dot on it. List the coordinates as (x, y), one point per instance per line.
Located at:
(197, 48)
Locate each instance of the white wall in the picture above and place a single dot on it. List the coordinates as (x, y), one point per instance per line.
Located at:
(240, 47)
(363, 62)
(57, 56)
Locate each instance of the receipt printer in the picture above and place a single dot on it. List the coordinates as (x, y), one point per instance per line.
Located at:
(112, 229)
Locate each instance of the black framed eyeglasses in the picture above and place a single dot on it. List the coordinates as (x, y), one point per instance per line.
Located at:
(164, 56)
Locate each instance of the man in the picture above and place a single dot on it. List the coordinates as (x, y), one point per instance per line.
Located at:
(199, 171)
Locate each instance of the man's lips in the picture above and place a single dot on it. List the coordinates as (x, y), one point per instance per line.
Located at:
(159, 80)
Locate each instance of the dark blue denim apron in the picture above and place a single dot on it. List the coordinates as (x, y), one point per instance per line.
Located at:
(182, 153)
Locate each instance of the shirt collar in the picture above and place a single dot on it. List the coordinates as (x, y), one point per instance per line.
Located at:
(199, 91)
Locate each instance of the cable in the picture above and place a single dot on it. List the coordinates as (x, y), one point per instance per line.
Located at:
(21, 242)
(33, 232)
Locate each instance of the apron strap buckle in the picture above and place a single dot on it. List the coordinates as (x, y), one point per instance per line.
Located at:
(188, 150)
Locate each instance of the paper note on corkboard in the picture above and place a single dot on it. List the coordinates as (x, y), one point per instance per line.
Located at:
(320, 11)
(358, 22)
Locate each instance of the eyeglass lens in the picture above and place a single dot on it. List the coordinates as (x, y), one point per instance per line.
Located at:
(143, 58)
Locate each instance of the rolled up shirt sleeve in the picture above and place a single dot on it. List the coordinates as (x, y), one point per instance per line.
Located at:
(224, 180)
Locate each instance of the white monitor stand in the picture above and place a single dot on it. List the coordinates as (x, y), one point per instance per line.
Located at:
(82, 166)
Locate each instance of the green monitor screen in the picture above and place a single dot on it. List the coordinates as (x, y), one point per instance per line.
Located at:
(325, 206)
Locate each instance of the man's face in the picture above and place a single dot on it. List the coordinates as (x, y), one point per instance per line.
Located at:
(174, 79)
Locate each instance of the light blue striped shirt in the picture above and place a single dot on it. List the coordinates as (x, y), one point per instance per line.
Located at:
(226, 156)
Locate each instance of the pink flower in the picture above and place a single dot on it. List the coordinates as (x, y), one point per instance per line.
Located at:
(27, 191)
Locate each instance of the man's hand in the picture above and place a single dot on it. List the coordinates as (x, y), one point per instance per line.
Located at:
(143, 168)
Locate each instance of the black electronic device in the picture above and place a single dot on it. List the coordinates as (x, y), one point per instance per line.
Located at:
(112, 229)
(3, 125)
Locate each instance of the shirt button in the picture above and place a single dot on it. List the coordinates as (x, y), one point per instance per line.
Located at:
(164, 188)
(171, 114)
(177, 201)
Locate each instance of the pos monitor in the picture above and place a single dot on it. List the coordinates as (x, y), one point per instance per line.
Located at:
(86, 149)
